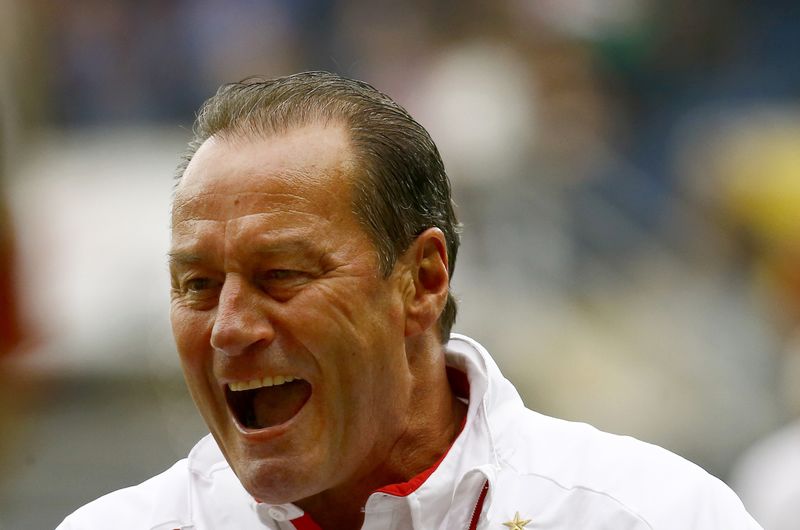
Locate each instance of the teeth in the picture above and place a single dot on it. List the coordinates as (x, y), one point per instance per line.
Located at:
(238, 386)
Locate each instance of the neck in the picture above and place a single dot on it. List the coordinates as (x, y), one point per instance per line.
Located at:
(433, 423)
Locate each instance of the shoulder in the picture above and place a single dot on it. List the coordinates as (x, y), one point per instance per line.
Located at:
(133, 507)
(200, 491)
(766, 477)
(161, 502)
(585, 470)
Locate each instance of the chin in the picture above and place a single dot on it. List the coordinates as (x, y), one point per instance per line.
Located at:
(276, 484)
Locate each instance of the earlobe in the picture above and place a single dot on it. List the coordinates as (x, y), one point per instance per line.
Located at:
(430, 281)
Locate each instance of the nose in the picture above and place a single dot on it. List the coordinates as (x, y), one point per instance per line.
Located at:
(241, 323)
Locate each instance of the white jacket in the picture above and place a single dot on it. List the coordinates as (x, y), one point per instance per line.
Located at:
(557, 475)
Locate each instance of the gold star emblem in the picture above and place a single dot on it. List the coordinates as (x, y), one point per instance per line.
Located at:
(517, 523)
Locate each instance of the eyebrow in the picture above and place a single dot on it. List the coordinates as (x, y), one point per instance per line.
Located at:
(179, 257)
(303, 246)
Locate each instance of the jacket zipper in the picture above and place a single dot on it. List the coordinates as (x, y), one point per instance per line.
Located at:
(476, 512)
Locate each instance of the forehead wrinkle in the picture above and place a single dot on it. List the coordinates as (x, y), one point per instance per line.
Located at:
(259, 238)
(187, 204)
(309, 172)
(272, 224)
(286, 245)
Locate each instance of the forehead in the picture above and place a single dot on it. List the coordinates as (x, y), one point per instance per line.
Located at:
(307, 167)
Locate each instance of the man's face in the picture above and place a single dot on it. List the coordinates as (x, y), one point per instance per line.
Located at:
(275, 282)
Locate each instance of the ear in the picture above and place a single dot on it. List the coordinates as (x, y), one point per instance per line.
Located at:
(426, 294)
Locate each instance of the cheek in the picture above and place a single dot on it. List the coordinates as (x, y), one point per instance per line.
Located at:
(366, 310)
(191, 330)
(192, 333)
(372, 408)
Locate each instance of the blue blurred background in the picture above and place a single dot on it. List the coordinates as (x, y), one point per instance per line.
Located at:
(627, 171)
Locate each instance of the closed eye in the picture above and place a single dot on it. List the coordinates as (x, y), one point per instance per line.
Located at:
(193, 286)
(281, 274)
(197, 285)
(198, 292)
(282, 284)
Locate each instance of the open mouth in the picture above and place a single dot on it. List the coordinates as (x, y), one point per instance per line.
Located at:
(267, 402)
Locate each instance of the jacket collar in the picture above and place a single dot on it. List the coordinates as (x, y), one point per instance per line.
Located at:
(448, 497)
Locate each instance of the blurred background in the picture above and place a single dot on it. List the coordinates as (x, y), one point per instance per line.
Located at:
(627, 172)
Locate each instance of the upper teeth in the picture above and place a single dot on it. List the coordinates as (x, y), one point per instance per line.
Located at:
(258, 383)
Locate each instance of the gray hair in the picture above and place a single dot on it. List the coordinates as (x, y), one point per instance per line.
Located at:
(403, 188)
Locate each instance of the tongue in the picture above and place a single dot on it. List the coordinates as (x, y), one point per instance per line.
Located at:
(278, 404)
